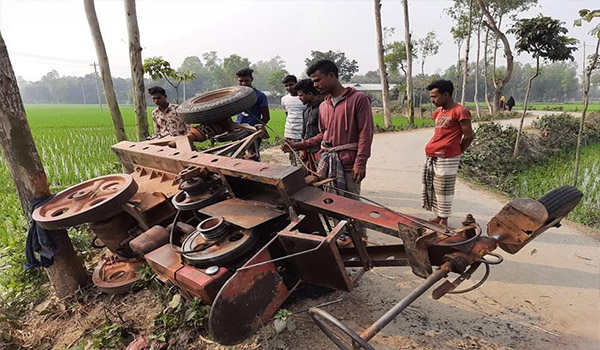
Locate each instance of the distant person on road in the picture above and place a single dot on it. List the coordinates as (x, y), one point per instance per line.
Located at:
(311, 98)
(503, 103)
(452, 136)
(346, 131)
(259, 112)
(164, 116)
(510, 103)
(293, 113)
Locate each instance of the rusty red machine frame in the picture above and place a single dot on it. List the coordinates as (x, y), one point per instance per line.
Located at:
(286, 233)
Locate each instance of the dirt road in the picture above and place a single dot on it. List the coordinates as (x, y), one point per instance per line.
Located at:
(545, 297)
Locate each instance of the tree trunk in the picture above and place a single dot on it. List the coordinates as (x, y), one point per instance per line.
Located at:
(476, 95)
(486, 70)
(107, 83)
(137, 71)
(507, 52)
(409, 81)
(586, 101)
(525, 103)
(67, 273)
(467, 49)
(494, 82)
(385, 92)
(458, 68)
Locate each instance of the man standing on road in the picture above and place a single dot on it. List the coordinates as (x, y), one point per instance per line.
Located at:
(311, 98)
(164, 116)
(259, 112)
(452, 136)
(293, 113)
(346, 130)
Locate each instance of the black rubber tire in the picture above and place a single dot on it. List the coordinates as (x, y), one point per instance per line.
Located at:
(560, 201)
(216, 105)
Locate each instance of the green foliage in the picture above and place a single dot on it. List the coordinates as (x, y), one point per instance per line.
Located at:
(543, 37)
(395, 56)
(588, 16)
(159, 68)
(347, 68)
(274, 81)
(110, 336)
(489, 159)
(190, 315)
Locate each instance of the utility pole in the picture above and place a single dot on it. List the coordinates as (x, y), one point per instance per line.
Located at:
(97, 86)
(184, 90)
(83, 93)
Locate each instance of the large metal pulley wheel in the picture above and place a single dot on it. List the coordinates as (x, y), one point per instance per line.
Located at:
(90, 201)
(340, 334)
(216, 243)
(114, 276)
(192, 199)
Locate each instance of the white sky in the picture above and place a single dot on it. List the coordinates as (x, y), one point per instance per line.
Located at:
(42, 35)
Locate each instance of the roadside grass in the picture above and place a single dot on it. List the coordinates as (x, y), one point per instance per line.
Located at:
(538, 180)
(575, 106)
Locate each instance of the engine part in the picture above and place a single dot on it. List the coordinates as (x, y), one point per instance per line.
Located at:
(149, 240)
(90, 201)
(212, 229)
(168, 267)
(232, 245)
(114, 231)
(116, 276)
(193, 201)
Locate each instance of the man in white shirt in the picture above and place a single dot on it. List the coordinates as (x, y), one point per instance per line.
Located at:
(293, 111)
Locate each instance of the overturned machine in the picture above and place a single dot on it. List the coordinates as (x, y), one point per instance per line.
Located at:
(243, 235)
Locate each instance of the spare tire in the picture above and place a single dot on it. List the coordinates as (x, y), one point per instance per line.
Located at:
(560, 201)
(217, 105)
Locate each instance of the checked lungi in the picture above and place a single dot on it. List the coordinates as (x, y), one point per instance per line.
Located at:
(439, 180)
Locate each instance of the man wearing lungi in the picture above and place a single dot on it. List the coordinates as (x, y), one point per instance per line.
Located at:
(452, 136)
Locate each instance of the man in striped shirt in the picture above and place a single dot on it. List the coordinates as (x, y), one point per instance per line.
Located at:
(293, 111)
(452, 136)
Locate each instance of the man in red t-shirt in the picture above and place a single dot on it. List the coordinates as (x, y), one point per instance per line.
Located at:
(453, 134)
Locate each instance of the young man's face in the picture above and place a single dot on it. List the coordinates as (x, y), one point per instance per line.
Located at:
(323, 82)
(159, 99)
(289, 87)
(245, 81)
(305, 97)
(438, 98)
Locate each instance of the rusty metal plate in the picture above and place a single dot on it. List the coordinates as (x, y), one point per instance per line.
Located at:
(516, 223)
(242, 213)
(323, 265)
(247, 301)
(371, 216)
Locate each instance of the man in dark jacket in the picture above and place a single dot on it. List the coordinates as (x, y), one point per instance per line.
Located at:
(345, 130)
(310, 119)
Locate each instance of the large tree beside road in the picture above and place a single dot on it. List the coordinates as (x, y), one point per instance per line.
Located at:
(67, 273)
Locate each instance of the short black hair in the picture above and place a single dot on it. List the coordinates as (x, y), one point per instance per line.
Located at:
(323, 66)
(157, 90)
(289, 79)
(442, 86)
(306, 86)
(245, 72)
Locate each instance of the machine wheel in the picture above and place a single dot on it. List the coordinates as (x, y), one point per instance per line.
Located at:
(90, 201)
(325, 322)
(217, 105)
(560, 201)
(113, 276)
